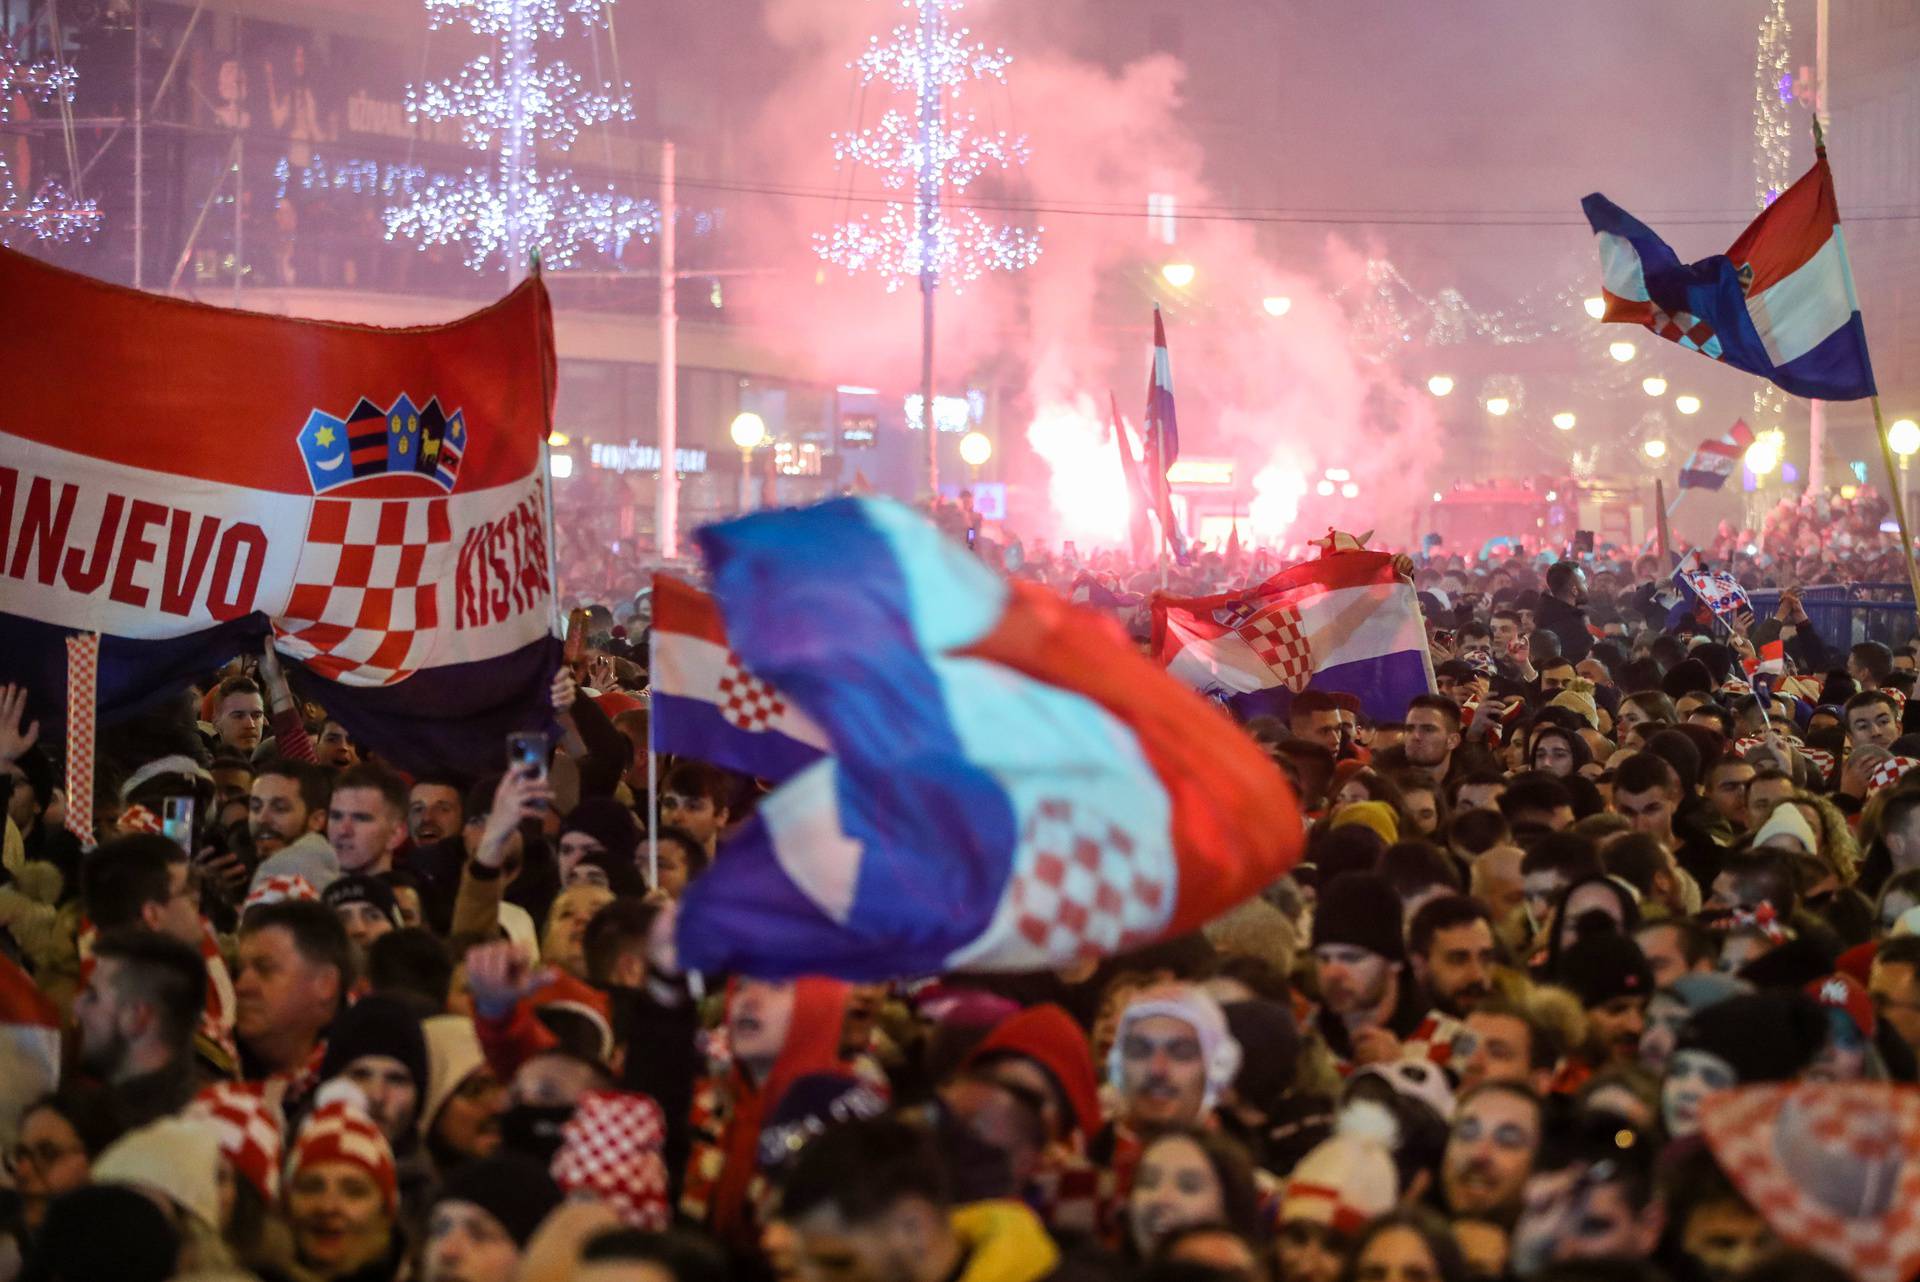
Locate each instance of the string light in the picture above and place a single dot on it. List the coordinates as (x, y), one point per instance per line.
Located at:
(1564, 420)
(1772, 125)
(1654, 385)
(50, 212)
(512, 104)
(933, 61)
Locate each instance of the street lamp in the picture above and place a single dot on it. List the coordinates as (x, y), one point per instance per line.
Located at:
(1687, 404)
(1903, 437)
(1655, 449)
(1654, 385)
(1277, 304)
(975, 450)
(748, 431)
(1596, 307)
(1564, 421)
(1498, 406)
(1440, 385)
(1621, 351)
(1178, 275)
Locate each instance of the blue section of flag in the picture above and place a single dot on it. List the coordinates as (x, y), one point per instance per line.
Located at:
(938, 831)
(133, 674)
(696, 728)
(1384, 686)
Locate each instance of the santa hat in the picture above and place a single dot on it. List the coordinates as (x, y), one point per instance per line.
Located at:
(564, 993)
(339, 1132)
(1833, 1167)
(1049, 1037)
(1197, 1010)
(1349, 1178)
(610, 1148)
(251, 1135)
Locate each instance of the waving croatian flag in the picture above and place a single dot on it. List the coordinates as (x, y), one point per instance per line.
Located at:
(1718, 590)
(1012, 786)
(706, 704)
(1779, 303)
(187, 480)
(1714, 459)
(1344, 622)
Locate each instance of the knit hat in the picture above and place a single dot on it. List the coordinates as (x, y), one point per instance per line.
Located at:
(453, 1055)
(1361, 910)
(1414, 1079)
(1787, 821)
(564, 994)
(1377, 815)
(1049, 1037)
(1269, 1050)
(1833, 1167)
(1763, 1037)
(251, 1135)
(1348, 1178)
(377, 1025)
(1579, 698)
(279, 888)
(359, 888)
(610, 1149)
(1601, 967)
(339, 1132)
(103, 1233)
(808, 1107)
(177, 1158)
(1197, 1010)
(511, 1187)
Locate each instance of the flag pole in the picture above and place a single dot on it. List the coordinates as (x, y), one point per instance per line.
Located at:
(1662, 512)
(1880, 424)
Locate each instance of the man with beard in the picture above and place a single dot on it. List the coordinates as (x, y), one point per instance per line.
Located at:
(1563, 610)
(1490, 1152)
(1453, 951)
(136, 1019)
(1372, 1009)
(287, 820)
(1613, 981)
(1433, 736)
(434, 811)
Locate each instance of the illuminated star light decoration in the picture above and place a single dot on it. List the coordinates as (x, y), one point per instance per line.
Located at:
(1772, 145)
(50, 211)
(508, 103)
(933, 61)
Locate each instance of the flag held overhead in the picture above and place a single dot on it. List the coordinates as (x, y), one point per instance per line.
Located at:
(1012, 786)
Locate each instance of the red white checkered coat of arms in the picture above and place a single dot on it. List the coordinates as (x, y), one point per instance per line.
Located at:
(1278, 638)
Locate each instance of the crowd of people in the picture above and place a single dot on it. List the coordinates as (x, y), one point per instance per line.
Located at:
(1602, 961)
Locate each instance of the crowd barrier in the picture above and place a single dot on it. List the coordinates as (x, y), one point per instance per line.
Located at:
(1845, 614)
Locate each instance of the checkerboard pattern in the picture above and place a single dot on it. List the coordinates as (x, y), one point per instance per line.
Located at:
(1277, 637)
(1082, 893)
(610, 1148)
(250, 1136)
(1687, 330)
(83, 678)
(366, 605)
(746, 701)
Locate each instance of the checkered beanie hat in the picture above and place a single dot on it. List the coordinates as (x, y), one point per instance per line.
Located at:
(1889, 772)
(610, 1148)
(1833, 1167)
(339, 1132)
(279, 888)
(251, 1135)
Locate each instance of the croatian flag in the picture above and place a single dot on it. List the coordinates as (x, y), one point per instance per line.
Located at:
(1162, 437)
(1345, 622)
(705, 704)
(1715, 459)
(1012, 786)
(1718, 590)
(1779, 303)
(188, 480)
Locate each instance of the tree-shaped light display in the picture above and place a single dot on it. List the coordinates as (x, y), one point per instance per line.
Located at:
(931, 147)
(48, 211)
(507, 104)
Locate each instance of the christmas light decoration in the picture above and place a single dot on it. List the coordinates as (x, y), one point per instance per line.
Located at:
(49, 211)
(1772, 124)
(932, 147)
(511, 103)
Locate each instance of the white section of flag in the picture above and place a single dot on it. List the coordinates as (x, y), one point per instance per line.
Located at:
(1345, 625)
(692, 668)
(1620, 268)
(1799, 312)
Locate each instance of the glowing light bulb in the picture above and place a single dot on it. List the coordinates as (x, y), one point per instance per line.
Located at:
(1350, 491)
(1656, 448)
(1596, 307)
(1564, 421)
(1687, 404)
(1621, 351)
(975, 449)
(1178, 275)
(1904, 436)
(1498, 406)
(1277, 304)
(1339, 474)
(1654, 386)
(1440, 385)
(748, 429)
(1323, 489)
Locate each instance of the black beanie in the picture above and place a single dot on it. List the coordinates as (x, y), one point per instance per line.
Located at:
(359, 888)
(1270, 1049)
(1601, 967)
(377, 1025)
(511, 1187)
(1764, 1037)
(103, 1233)
(1360, 909)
